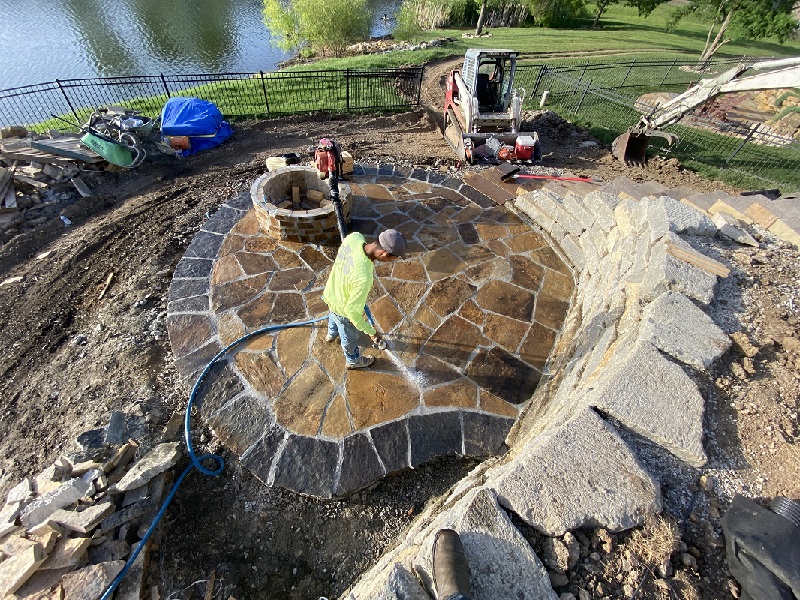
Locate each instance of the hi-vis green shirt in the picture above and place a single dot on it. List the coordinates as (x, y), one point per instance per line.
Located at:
(350, 282)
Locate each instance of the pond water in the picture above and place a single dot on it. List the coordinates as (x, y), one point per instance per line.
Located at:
(44, 40)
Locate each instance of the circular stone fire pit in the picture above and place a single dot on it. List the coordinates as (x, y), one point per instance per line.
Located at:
(293, 204)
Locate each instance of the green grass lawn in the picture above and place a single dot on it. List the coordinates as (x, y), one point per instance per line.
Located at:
(622, 30)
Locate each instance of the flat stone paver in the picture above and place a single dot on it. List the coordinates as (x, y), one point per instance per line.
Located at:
(471, 315)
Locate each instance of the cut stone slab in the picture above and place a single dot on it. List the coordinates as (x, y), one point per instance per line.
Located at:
(16, 570)
(8, 518)
(502, 563)
(666, 272)
(675, 325)
(656, 399)
(68, 553)
(393, 583)
(41, 509)
(665, 214)
(581, 474)
(90, 583)
(730, 227)
(84, 521)
(158, 460)
(20, 492)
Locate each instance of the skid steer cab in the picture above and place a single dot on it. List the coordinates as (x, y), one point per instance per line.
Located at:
(483, 110)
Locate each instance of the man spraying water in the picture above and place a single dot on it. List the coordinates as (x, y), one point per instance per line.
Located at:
(349, 285)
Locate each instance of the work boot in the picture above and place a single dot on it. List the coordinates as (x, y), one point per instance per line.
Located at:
(331, 337)
(450, 568)
(361, 363)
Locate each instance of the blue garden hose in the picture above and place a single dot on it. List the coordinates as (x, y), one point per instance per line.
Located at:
(196, 463)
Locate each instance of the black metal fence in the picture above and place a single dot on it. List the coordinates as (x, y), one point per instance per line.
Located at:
(238, 95)
(606, 98)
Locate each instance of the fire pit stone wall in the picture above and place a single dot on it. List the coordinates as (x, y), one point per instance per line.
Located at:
(283, 217)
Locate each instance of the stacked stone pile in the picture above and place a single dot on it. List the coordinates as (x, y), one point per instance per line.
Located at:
(634, 337)
(68, 532)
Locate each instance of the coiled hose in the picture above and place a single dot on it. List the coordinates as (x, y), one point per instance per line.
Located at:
(196, 463)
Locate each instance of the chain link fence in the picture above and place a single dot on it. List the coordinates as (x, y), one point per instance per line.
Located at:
(238, 95)
(605, 97)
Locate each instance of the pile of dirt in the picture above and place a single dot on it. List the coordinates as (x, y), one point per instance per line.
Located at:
(84, 335)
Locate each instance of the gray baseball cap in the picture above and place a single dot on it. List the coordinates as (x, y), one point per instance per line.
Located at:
(393, 242)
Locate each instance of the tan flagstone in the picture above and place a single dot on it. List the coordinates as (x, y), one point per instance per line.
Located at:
(472, 312)
(385, 314)
(232, 243)
(226, 269)
(254, 314)
(526, 242)
(506, 299)
(329, 354)
(409, 270)
(248, 224)
(292, 348)
(375, 398)
(375, 192)
(447, 295)
(253, 264)
(547, 257)
(261, 244)
(492, 404)
(408, 341)
(336, 422)
(301, 405)
(526, 273)
(236, 293)
(550, 311)
(491, 231)
(557, 285)
(468, 214)
(427, 317)
(315, 304)
(287, 259)
(442, 263)
(462, 393)
(417, 187)
(508, 333)
(229, 328)
(261, 372)
(404, 293)
(434, 237)
(499, 248)
(454, 341)
(497, 268)
(537, 346)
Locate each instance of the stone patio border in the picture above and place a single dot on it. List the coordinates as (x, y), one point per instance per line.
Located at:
(635, 332)
(307, 464)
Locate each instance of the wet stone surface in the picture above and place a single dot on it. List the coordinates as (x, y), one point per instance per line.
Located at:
(470, 315)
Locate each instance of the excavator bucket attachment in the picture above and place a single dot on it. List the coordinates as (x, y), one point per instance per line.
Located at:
(630, 148)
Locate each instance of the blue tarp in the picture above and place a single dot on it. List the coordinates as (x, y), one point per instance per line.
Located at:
(193, 117)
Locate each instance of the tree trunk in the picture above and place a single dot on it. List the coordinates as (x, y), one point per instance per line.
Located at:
(709, 50)
(481, 18)
(601, 7)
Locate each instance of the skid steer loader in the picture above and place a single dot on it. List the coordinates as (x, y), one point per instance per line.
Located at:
(631, 147)
(483, 111)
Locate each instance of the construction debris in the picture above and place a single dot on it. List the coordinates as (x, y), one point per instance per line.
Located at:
(68, 532)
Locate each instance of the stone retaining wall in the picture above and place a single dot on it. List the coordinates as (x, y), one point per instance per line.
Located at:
(633, 336)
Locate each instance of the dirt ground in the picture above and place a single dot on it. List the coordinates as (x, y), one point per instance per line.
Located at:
(75, 347)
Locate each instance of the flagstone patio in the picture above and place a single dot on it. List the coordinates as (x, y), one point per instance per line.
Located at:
(471, 315)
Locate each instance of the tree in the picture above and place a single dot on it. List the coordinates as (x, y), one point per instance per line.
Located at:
(481, 18)
(645, 7)
(325, 27)
(749, 19)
